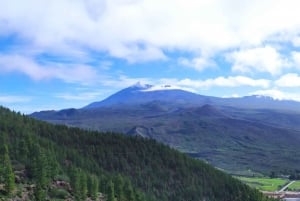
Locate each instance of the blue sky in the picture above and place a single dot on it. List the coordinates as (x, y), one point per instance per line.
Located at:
(67, 53)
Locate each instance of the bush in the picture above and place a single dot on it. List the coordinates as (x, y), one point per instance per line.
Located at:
(62, 177)
(58, 193)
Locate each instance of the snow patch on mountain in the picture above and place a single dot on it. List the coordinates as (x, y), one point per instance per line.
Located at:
(166, 87)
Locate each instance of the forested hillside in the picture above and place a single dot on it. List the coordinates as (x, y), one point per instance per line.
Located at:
(40, 161)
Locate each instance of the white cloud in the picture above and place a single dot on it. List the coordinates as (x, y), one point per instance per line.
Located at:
(199, 63)
(236, 81)
(134, 53)
(262, 59)
(28, 66)
(278, 94)
(119, 26)
(13, 99)
(123, 81)
(296, 59)
(192, 85)
(288, 80)
(232, 96)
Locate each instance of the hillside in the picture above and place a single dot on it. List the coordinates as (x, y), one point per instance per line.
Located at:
(230, 138)
(128, 168)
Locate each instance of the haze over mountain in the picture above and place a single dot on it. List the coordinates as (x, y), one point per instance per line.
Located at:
(227, 132)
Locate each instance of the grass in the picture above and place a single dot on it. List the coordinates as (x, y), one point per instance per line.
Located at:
(264, 184)
(295, 186)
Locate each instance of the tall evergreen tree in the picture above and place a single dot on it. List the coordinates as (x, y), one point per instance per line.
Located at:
(110, 191)
(75, 182)
(93, 186)
(7, 171)
(119, 187)
(129, 193)
(39, 193)
(39, 167)
(83, 185)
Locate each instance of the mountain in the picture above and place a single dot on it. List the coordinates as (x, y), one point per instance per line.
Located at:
(139, 94)
(41, 161)
(231, 133)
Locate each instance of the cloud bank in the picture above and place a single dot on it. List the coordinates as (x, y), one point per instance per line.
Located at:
(144, 29)
(247, 43)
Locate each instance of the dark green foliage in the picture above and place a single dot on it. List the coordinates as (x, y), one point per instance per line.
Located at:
(119, 187)
(295, 175)
(110, 191)
(129, 193)
(83, 185)
(58, 193)
(150, 171)
(6, 172)
(75, 182)
(39, 193)
(93, 186)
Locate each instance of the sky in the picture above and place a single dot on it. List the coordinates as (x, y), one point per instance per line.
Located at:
(68, 53)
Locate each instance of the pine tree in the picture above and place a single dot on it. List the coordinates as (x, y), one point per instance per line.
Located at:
(39, 193)
(75, 182)
(139, 196)
(7, 171)
(129, 193)
(93, 186)
(39, 167)
(83, 185)
(23, 150)
(110, 191)
(119, 187)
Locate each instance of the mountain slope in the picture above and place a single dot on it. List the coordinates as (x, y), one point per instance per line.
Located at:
(139, 94)
(228, 133)
(159, 171)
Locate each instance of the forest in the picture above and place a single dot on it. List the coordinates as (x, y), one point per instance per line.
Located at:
(41, 161)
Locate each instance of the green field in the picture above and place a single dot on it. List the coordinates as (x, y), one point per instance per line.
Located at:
(264, 184)
(295, 186)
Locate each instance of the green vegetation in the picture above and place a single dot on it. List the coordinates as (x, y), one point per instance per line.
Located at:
(264, 184)
(227, 138)
(7, 175)
(294, 186)
(57, 162)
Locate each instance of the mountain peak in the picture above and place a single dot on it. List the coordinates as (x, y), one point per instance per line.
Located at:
(142, 93)
(140, 85)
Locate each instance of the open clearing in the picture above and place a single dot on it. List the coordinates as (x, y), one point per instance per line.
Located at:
(295, 186)
(265, 184)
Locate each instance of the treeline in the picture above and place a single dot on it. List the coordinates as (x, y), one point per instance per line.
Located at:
(122, 168)
(295, 175)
